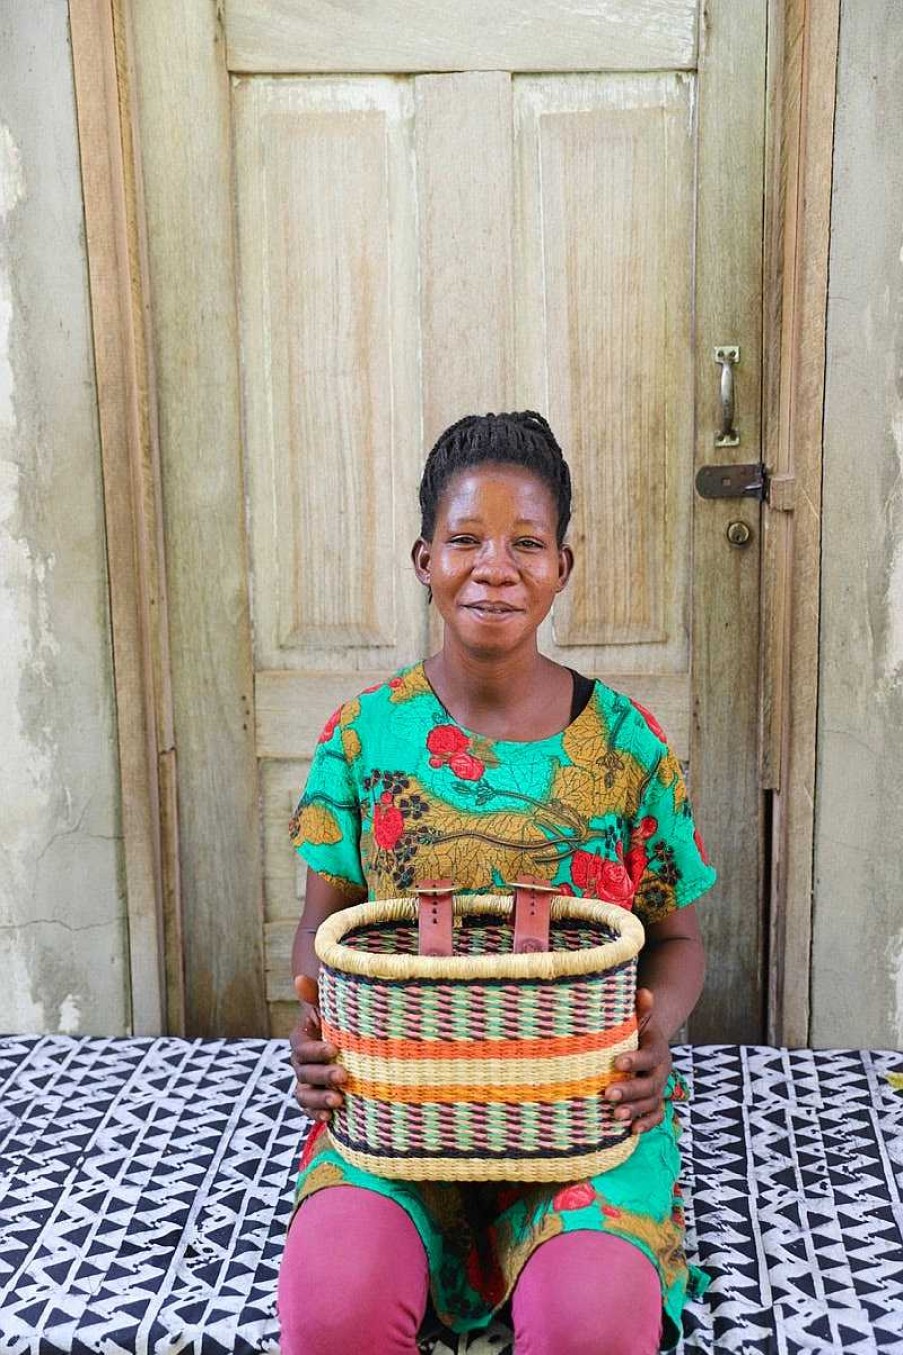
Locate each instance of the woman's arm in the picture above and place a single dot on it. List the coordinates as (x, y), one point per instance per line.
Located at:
(316, 1088)
(672, 967)
(670, 975)
(321, 900)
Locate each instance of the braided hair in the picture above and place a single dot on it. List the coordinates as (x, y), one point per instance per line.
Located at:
(522, 439)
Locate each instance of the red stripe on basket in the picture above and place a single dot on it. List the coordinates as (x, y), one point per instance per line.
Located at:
(551, 1046)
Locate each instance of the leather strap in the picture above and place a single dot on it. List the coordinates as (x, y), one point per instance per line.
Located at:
(436, 900)
(532, 906)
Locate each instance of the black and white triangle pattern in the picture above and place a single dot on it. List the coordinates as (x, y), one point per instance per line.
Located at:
(145, 1189)
(794, 1161)
(145, 1186)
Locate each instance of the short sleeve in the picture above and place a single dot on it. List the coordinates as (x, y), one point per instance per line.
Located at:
(326, 826)
(667, 855)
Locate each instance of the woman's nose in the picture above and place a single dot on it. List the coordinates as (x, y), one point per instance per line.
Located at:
(495, 564)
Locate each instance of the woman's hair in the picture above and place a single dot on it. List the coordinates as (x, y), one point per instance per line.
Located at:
(522, 439)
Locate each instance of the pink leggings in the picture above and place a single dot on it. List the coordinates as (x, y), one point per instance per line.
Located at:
(354, 1277)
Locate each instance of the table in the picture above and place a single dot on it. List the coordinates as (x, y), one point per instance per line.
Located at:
(145, 1185)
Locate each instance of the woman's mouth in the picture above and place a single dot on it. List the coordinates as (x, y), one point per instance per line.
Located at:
(494, 610)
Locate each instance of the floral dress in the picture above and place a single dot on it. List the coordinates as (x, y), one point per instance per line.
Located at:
(397, 792)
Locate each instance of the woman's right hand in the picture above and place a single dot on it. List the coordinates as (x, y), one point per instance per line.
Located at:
(313, 1064)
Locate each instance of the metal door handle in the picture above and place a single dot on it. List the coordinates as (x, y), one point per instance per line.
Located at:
(727, 355)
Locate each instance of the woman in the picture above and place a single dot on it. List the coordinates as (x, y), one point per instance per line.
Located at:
(484, 762)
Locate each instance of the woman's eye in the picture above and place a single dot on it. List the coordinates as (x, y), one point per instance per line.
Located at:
(462, 540)
(529, 543)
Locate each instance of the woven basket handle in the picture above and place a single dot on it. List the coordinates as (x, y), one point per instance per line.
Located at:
(532, 905)
(436, 899)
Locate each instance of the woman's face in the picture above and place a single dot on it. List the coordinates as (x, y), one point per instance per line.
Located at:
(494, 564)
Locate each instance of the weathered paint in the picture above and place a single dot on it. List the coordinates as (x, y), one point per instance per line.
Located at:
(895, 965)
(857, 984)
(893, 662)
(62, 935)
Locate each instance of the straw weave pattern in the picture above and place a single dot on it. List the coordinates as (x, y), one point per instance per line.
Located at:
(474, 1010)
(480, 1078)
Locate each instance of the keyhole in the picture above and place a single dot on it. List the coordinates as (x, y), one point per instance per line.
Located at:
(739, 534)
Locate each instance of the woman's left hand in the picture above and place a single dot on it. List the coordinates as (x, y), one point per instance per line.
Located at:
(639, 1096)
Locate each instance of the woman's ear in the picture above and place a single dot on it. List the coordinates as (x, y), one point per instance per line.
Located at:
(565, 565)
(420, 557)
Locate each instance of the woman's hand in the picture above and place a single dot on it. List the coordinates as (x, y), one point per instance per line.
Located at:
(639, 1096)
(312, 1064)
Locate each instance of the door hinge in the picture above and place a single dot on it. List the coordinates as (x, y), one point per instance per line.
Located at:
(750, 481)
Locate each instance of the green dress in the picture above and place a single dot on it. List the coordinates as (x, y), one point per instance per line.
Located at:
(397, 792)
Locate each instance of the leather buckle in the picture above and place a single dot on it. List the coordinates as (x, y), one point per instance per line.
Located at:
(532, 909)
(435, 914)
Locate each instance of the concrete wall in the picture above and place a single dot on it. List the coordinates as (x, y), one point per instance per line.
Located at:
(857, 990)
(63, 943)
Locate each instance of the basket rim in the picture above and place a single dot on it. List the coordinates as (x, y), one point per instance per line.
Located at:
(541, 965)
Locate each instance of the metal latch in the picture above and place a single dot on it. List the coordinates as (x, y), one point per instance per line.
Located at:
(732, 482)
(752, 481)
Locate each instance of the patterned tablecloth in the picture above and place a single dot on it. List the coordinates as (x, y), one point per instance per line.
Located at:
(145, 1187)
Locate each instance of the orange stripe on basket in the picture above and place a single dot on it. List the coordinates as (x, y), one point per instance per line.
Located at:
(529, 1091)
(551, 1046)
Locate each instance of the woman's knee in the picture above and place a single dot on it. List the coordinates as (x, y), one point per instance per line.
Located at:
(353, 1264)
(585, 1293)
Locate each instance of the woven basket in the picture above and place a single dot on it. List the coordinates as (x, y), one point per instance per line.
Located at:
(482, 1064)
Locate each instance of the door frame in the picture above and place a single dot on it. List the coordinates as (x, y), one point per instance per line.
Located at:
(802, 59)
(800, 143)
(126, 400)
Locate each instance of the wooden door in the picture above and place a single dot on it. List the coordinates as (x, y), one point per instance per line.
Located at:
(360, 226)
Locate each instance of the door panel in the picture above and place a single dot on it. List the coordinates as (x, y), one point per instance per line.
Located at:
(328, 322)
(605, 271)
(511, 35)
(465, 185)
(415, 245)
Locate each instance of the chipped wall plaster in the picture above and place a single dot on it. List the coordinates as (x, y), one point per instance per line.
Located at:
(893, 656)
(857, 952)
(62, 917)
